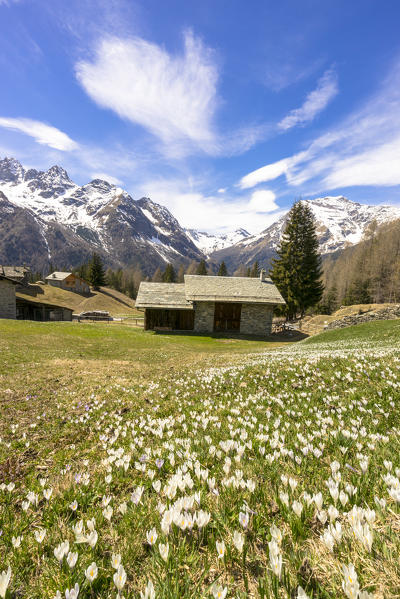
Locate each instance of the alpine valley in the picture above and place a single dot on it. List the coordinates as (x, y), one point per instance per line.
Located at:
(47, 218)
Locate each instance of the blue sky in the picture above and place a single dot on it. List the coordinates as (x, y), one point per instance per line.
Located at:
(225, 112)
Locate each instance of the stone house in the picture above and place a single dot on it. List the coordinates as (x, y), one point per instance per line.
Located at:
(68, 281)
(17, 273)
(207, 304)
(7, 297)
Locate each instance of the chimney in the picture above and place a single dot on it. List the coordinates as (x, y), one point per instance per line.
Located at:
(263, 275)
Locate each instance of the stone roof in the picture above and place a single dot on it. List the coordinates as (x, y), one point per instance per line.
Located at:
(14, 272)
(232, 289)
(58, 276)
(199, 288)
(162, 295)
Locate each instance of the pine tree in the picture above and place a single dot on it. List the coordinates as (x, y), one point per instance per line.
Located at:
(241, 271)
(180, 277)
(96, 273)
(157, 276)
(222, 271)
(255, 270)
(297, 270)
(202, 268)
(169, 275)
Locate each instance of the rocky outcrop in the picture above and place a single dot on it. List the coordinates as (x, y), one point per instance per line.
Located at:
(347, 321)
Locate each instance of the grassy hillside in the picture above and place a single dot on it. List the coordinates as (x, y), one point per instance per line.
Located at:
(212, 467)
(315, 324)
(107, 299)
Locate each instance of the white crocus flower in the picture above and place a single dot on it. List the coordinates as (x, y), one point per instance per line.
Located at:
(297, 508)
(91, 572)
(92, 539)
(5, 578)
(275, 558)
(108, 512)
(72, 558)
(350, 583)
(16, 541)
(123, 508)
(301, 594)
(164, 550)
(61, 550)
(40, 535)
(120, 578)
(218, 591)
(276, 534)
(238, 540)
(220, 549)
(47, 493)
(74, 505)
(115, 560)
(72, 593)
(244, 519)
(149, 592)
(151, 536)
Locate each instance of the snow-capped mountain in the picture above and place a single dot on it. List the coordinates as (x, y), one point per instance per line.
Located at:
(208, 243)
(45, 217)
(340, 223)
(97, 217)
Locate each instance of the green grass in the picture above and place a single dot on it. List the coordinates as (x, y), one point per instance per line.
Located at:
(240, 426)
(384, 331)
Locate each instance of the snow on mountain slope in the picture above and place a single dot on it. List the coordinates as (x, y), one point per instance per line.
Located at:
(101, 214)
(340, 223)
(208, 243)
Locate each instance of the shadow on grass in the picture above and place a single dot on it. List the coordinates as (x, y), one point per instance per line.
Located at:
(285, 337)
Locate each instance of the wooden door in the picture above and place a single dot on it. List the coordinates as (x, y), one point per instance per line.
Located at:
(227, 316)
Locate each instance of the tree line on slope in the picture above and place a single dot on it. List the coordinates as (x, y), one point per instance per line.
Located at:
(368, 272)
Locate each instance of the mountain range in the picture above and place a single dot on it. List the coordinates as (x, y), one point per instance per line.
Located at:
(45, 218)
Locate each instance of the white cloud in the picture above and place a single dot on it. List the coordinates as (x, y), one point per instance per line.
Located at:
(266, 173)
(364, 149)
(42, 133)
(316, 101)
(377, 166)
(173, 97)
(215, 214)
(263, 200)
(105, 177)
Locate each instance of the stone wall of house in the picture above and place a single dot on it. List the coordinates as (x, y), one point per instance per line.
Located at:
(7, 299)
(256, 319)
(204, 317)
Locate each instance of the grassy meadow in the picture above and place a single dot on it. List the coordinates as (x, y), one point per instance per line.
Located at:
(169, 466)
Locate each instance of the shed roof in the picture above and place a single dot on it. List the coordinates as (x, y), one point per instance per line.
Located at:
(24, 299)
(162, 295)
(58, 276)
(231, 289)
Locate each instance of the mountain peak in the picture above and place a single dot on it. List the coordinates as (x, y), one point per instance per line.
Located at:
(11, 170)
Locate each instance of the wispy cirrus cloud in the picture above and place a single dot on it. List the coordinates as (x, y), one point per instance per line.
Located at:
(174, 97)
(364, 149)
(316, 101)
(41, 132)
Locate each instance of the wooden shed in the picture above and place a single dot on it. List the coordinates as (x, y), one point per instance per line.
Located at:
(33, 309)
